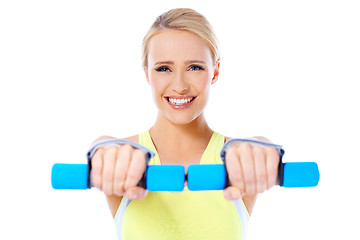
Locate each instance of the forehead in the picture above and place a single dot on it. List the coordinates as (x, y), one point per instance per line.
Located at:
(177, 46)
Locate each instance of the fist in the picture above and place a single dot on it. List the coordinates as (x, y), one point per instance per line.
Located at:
(251, 168)
(117, 169)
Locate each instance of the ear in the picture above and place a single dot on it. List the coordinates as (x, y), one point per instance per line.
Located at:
(216, 72)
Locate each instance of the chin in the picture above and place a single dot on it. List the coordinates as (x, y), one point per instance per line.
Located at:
(181, 119)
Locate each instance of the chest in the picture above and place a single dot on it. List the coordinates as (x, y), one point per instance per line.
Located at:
(182, 215)
(184, 157)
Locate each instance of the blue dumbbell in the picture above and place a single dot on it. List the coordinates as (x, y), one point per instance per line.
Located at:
(172, 177)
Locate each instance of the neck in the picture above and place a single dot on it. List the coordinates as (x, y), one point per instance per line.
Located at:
(175, 135)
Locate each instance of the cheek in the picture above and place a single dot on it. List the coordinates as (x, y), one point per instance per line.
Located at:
(204, 84)
(158, 85)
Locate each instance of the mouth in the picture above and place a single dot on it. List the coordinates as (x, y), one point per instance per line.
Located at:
(180, 102)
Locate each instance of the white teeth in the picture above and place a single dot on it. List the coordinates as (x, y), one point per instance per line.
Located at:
(178, 101)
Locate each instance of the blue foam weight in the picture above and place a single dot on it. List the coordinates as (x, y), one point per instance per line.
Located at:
(206, 177)
(165, 178)
(69, 176)
(301, 174)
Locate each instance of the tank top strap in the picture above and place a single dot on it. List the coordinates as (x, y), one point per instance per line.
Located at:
(146, 141)
(211, 154)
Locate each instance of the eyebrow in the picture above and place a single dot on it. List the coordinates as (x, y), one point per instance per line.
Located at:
(164, 62)
(187, 62)
(195, 61)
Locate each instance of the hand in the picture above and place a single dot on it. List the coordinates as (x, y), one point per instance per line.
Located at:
(117, 169)
(251, 169)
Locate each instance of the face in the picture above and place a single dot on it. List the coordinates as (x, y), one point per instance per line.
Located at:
(180, 72)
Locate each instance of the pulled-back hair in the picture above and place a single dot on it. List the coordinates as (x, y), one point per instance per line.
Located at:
(184, 19)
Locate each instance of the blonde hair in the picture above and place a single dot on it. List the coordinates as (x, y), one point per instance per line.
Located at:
(184, 19)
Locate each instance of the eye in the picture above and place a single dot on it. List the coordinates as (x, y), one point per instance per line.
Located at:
(162, 69)
(196, 68)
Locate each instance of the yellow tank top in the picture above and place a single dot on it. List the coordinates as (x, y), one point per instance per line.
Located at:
(183, 215)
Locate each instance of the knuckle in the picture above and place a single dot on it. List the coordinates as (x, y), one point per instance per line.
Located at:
(98, 152)
(132, 175)
(258, 150)
(126, 148)
(231, 152)
(262, 176)
(118, 192)
(119, 189)
(109, 152)
(112, 149)
(234, 171)
(124, 152)
(119, 178)
(96, 160)
(235, 178)
(138, 153)
(108, 175)
(97, 183)
(273, 172)
(95, 167)
(261, 189)
(250, 189)
(107, 190)
(249, 181)
(271, 151)
(123, 155)
(245, 146)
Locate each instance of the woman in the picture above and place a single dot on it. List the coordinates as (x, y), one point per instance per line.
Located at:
(181, 62)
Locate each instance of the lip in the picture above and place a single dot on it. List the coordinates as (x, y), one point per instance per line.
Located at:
(183, 106)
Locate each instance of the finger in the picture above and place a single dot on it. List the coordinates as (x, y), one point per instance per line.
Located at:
(272, 165)
(260, 169)
(96, 168)
(234, 170)
(136, 169)
(136, 193)
(233, 167)
(247, 163)
(121, 168)
(108, 170)
(232, 193)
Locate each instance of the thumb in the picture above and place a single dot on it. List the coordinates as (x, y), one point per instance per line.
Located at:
(232, 193)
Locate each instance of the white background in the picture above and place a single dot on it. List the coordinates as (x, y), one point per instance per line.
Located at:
(70, 71)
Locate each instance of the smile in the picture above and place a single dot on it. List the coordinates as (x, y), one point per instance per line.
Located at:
(180, 102)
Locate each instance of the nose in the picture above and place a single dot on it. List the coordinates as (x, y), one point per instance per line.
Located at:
(180, 85)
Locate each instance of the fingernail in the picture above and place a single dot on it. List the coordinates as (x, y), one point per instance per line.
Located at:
(130, 194)
(134, 195)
